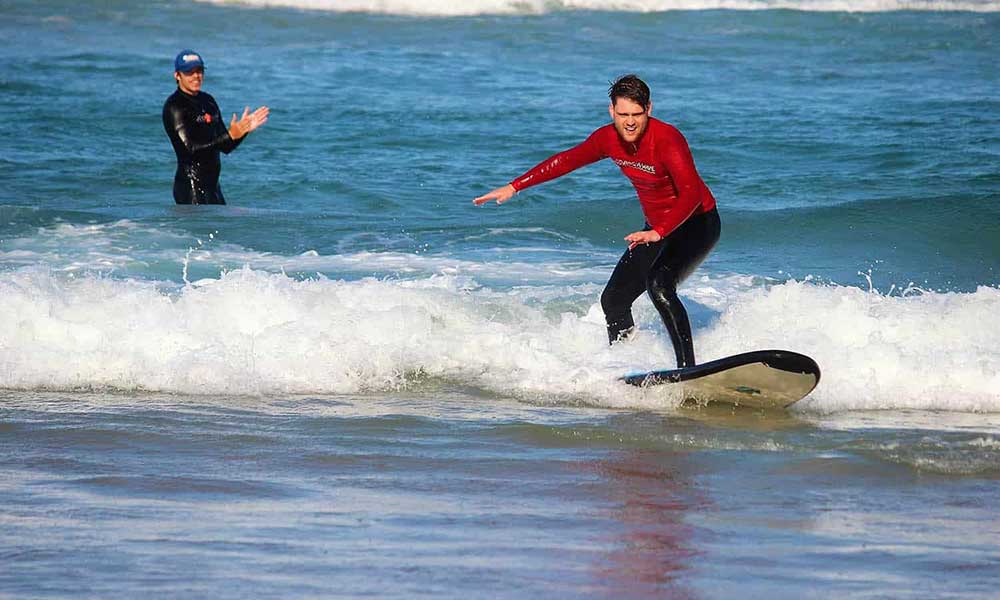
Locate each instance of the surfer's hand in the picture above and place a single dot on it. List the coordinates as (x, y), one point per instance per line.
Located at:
(248, 122)
(501, 195)
(258, 117)
(642, 237)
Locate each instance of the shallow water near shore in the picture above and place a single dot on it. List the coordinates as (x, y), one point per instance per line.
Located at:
(443, 492)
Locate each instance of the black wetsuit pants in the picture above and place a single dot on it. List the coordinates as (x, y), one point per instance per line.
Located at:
(658, 269)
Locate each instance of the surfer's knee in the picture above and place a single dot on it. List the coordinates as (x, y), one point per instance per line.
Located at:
(661, 287)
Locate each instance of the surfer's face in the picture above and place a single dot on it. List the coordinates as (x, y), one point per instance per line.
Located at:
(190, 82)
(630, 118)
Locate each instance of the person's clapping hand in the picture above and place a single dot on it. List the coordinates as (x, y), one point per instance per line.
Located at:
(248, 122)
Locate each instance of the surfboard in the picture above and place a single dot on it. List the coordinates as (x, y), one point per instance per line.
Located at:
(760, 379)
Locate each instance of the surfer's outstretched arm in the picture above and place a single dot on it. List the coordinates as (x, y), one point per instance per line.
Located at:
(501, 195)
(557, 165)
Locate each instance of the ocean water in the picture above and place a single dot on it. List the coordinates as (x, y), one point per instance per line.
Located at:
(350, 381)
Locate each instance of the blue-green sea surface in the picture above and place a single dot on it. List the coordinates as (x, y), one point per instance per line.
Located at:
(350, 381)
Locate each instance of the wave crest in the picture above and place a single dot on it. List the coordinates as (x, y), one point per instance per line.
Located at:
(253, 332)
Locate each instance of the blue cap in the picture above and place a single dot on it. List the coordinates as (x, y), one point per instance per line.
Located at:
(187, 61)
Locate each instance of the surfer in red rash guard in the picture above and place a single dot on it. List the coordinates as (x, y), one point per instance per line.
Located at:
(682, 223)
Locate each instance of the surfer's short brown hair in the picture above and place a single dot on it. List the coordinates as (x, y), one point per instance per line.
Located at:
(630, 87)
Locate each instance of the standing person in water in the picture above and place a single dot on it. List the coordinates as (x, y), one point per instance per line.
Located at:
(682, 223)
(196, 130)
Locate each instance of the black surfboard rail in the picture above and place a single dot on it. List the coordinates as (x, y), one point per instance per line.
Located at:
(784, 360)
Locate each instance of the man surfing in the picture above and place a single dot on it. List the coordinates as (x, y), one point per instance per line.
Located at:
(682, 223)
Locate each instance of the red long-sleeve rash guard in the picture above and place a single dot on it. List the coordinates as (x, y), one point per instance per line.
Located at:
(661, 169)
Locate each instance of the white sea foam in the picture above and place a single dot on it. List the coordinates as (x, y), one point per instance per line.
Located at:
(254, 332)
(501, 7)
(257, 332)
(924, 350)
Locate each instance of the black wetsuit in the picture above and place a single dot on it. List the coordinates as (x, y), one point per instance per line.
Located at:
(198, 133)
(658, 268)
